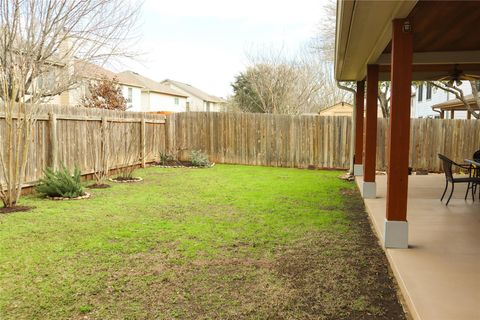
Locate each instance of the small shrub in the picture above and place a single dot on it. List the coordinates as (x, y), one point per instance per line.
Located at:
(165, 158)
(61, 183)
(199, 159)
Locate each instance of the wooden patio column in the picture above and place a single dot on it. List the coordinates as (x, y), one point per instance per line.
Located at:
(359, 110)
(452, 114)
(369, 189)
(396, 226)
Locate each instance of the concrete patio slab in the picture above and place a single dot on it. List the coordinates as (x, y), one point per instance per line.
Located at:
(439, 275)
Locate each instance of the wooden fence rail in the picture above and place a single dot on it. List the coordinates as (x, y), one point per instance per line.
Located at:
(72, 136)
(262, 139)
(310, 141)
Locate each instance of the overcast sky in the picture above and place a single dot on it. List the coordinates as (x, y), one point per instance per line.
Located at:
(203, 43)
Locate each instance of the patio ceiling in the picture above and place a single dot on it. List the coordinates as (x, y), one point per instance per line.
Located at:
(445, 34)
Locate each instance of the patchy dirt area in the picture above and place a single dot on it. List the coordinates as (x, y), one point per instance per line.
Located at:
(233, 242)
(325, 275)
(6, 210)
(342, 276)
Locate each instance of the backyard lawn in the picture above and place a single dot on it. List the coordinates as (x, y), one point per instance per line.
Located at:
(230, 242)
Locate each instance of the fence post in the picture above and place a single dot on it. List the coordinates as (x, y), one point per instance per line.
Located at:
(105, 146)
(142, 141)
(52, 121)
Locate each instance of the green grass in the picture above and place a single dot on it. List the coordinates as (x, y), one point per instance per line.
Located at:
(192, 243)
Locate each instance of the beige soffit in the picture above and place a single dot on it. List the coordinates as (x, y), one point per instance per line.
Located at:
(364, 29)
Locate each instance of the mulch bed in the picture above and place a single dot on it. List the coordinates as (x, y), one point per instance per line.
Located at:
(99, 186)
(15, 209)
(124, 180)
(86, 195)
(180, 164)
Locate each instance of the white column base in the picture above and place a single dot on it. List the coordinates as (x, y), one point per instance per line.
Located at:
(358, 170)
(369, 190)
(396, 234)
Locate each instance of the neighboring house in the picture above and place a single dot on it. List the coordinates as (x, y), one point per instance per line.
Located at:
(426, 97)
(156, 97)
(338, 109)
(198, 100)
(453, 108)
(342, 109)
(141, 93)
(88, 72)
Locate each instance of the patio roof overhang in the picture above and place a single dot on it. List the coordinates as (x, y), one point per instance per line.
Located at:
(444, 34)
(400, 41)
(455, 105)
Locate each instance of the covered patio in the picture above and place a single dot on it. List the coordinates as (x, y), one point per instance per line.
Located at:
(400, 42)
(439, 275)
(403, 42)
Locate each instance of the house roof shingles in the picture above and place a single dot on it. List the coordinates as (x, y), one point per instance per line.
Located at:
(193, 91)
(89, 70)
(135, 79)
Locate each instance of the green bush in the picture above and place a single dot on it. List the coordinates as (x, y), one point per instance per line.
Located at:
(165, 158)
(199, 159)
(61, 183)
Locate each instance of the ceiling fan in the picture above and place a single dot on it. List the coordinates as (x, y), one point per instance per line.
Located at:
(456, 76)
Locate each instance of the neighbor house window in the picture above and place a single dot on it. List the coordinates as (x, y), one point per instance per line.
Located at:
(429, 91)
(420, 92)
(130, 95)
(478, 85)
(177, 101)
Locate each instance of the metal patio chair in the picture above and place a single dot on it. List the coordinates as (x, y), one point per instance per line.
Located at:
(447, 168)
(474, 172)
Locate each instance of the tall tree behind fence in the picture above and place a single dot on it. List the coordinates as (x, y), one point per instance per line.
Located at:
(72, 136)
(262, 139)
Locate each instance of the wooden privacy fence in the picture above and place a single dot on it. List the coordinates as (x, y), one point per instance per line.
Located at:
(456, 138)
(262, 139)
(302, 141)
(72, 136)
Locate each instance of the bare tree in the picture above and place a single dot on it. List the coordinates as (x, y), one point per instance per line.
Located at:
(384, 98)
(19, 123)
(275, 83)
(324, 40)
(39, 40)
(472, 105)
(323, 45)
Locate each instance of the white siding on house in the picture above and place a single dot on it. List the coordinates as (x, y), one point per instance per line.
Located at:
(145, 106)
(136, 97)
(423, 108)
(164, 102)
(196, 103)
(155, 102)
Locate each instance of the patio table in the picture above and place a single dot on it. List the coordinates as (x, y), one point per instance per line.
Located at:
(475, 166)
(474, 172)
